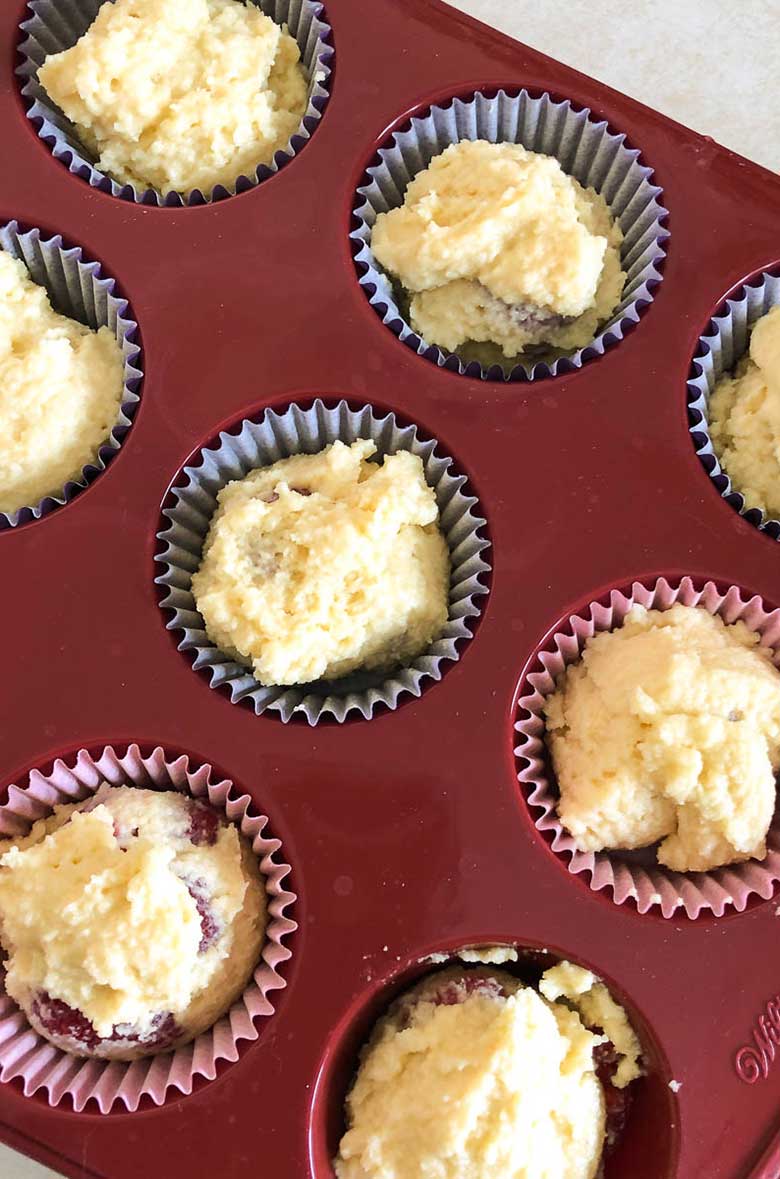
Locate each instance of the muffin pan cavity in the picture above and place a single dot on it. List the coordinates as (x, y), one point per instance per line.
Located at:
(79, 289)
(635, 877)
(586, 148)
(649, 1140)
(278, 435)
(56, 25)
(720, 348)
(92, 1085)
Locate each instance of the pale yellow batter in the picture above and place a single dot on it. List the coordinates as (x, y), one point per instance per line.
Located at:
(134, 906)
(598, 1009)
(462, 1082)
(180, 94)
(60, 391)
(496, 243)
(321, 564)
(668, 729)
(745, 419)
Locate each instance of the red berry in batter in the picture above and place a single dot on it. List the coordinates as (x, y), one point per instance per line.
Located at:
(204, 824)
(62, 1020)
(208, 924)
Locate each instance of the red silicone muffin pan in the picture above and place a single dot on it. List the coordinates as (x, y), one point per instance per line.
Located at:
(407, 833)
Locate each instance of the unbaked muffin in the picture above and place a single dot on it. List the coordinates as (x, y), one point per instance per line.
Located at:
(494, 243)
(472, 1073)
(60, 391)
(745, 419)
(180, 94)
(131, 922)
(325, 563)
(668, 729)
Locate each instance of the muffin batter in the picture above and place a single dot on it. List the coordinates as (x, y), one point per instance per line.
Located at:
(321, 564)
(745, 419)
(60, 391)
(180, 94)
(472, 1073)
(131, 922)
(588, 995)
(496, 243)
(668, 729)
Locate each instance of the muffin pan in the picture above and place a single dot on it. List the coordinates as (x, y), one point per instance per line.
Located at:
(407, 833)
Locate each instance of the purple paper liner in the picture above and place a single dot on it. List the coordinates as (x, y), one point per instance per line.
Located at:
(719, 350)
(649, 885)
(29, 1058)
(79, 289)
(55, 25)
(585, 147)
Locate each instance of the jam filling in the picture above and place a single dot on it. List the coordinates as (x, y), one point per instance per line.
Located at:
(208, 923)
(616, 1101)
(471, 984)
(204, 825)
(449, 994)
(532, 317)
(60, 1019)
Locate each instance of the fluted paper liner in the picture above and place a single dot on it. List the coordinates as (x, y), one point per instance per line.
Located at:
(278, 435)
(55, 25)
(720, 349)
(79, 289)
(586, 148)
(30, 1058)
(649, 885)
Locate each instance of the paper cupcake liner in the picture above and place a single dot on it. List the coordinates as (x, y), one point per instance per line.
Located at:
(585, 148)
(28, 1057)
(258, 444)
(57, 24)
(79, 289)
(721, 347)
(649, 885)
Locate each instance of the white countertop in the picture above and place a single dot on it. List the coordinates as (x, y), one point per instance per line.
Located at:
(711, 64)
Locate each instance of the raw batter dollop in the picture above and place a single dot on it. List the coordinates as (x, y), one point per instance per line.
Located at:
(180, 94)
(496, 243)
(60, 391)
(472, 1073)
(745, 419)
(668, 729)
(324, 563)
(131, 921)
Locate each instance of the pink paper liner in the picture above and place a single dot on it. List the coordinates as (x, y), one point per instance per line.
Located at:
(27, 1056)
(649, 887)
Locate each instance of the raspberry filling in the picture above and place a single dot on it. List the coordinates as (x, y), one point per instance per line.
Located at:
(65, 1021)
(530, 316)
(459, 990)
(61, 1020)
(449, 994)
(208, 923)
(204, 824)
(616, 1101)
